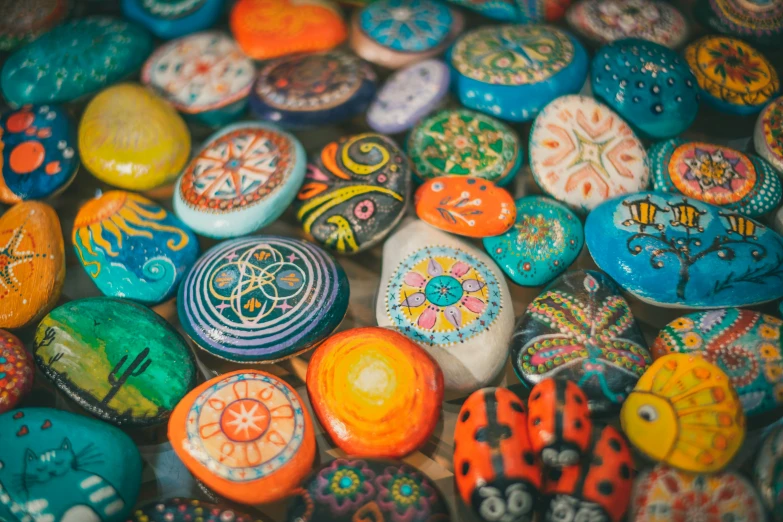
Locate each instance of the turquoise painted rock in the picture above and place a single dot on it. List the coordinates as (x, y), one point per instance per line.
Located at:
(74, 59)
(173, 18)
(768, 472)
(673, 251)
(188, 510)
(118, 360)
(545, 239)
(58, 466)
(715, 174)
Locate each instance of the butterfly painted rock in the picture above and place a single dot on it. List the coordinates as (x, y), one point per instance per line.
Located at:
(768, 134)
(758, 22)
(168, 19)
(16, 371)
(768, 471)
(25, 21)
(188, 510)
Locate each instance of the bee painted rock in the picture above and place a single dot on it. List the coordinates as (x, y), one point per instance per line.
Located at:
(768, 472)
(25, 21)
(188, 510)
(173, 18)
(495, 468)
(16, 371)
(133, 248)
(768, 134)
(758, 22)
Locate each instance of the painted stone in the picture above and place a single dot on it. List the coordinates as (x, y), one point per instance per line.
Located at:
(16, 371)
(459, 142)
(66, 467)
(246, 435)
(375, 392)
(133, 248)
(658, 105)
(451, 299)
(778, 224)
(733, 77)
(73, 60)
(505, 10)
(522, 11)
(32, 263)
(583, 153)
(355, 193)
(270, 297)
(242, 179)
(188, 510)
(25, 21)
(513, 71)
(756, 21)
(768, 134)
(173, 18)
(685, 413)
(768, 472)
(132, 139)
(682, 253)
(559, 422)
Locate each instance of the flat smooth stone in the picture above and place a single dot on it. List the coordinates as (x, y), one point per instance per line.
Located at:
(188, 510)
(132, 247)
(756, 21)
(451, 299)
(768, 134)
(355, 193)
(677, 252)
(25, 21)
(768, 471)
(173, 18)
(16, 371)
(74, 59)
(242, 179)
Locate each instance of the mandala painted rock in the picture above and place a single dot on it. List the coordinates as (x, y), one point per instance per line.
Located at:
(242, 179)
(245, 435)
(513, 71)
(16, 371)
(451, 299)
(768, 134)
(355, 193)
(757, 21)
(32, 263)
(25, 21)
(682, 253)
(375, 392)
(75, 59)
(133, 248)
(262, 298)
(173, 18)
(459, 142)
(768, 472)
(188, 510)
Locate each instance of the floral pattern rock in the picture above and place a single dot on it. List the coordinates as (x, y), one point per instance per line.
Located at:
(768, 135)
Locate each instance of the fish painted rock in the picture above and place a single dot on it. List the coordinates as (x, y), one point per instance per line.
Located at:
(188, 510)
(173, 18)
(758, 22)
(25, 21)
(768, 134)
(682, 253)
(16, 371)
(768, 472)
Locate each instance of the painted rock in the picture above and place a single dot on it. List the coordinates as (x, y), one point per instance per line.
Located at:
(132, 139)
(188, 510)
(355, 193)
(133, 248)
(505, 10)
(242, 179)
(459, 142)
(658, 105)
(39, 153)
(513, 71)
(75, 59)
(32, 263)
(245, 435)
(582, 153)
(269, 297)
(409, 95)
(173, 18)
(375, 392)
(733, 77)
(25, 21)
(66, 467)
(559, 422)
(768, 472)
(682, 253)
(685, 413)
(205, 76)
(267, 29)
(16, 371)
(541, 11)
(451, 299)
(768, 135)
(756, 21)
(778, 224)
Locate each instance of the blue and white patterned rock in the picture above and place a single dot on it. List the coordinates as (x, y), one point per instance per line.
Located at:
(173, 18)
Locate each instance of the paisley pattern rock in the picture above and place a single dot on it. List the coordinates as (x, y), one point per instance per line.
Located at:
(187, 510)
(756, 21)
(768, 472)
(768, 134)
(16, 371)
(173, 18)
(25, 21)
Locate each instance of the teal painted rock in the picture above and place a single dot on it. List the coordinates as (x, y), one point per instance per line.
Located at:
(768, 472)
(118, 360)
(77, 58)
(545, 239)
(57, 466)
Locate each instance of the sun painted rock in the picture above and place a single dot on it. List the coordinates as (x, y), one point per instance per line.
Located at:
(451, 299)
(756, 21)
(32, 263)
(376, 393)
(188, 510)
(73, 60)
(66, 467)
(582, 153)
(768, 134)
(354, 193)
(513, 71)
(459, 142)
(25, 21)
(768, 472)
(246, 435)
(682, 253)
(16, 371)
(242, 179)
(173, 18)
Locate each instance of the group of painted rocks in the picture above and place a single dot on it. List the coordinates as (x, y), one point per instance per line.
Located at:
(472, 147)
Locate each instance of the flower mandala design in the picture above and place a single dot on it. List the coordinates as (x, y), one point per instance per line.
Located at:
(712, 169)
(345, 485)
(735, 63)
(405, 494)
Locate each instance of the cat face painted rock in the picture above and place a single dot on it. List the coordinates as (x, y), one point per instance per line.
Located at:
(768, 471)
(188, 510)
(756, 21)
(67, 467)
(173, 18)
(24, 21)
(768, 135)
(16, 371)
(681, 253)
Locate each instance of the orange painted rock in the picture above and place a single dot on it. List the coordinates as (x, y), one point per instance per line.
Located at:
(467, 206)
(16, 371)
(375, 392)
(245, 435)
(32, 263)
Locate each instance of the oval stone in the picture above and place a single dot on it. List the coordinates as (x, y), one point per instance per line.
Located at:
(25, 21)
(768, 471)
(188, 510)
(173, 18)
(677, 252)
(768, 134)
(756, 21)
(16, 371)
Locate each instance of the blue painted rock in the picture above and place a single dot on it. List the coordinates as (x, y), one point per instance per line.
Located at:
(768, 134)
(649, 85)
(715, 174)
(66, 467)
(545, 239)
(505, 10)
(513, 71)
(132, 248)
(173, 18)
(677, 252)
(25, 21)
(756, 21)
(242, 179)
(768, 472)
(75, 59)
(188, 510)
